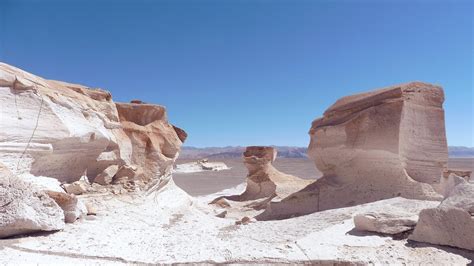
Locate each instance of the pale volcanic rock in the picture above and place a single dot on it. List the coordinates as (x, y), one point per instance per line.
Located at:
(62, 130)
(77, 187)
(265, 184)
(24, 208)
(371, 146)
(466, 174)
(264, 180)
(155, 143)
(51, 128)
(200, 166)
(73, 208)
(126, 173)
(448, 183)
(392, 219)
(451, 223)
(107, 175)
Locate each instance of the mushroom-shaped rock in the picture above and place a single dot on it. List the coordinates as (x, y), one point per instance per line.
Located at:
(451, 223)
(265, 184)
(371, 146)
(264, 180)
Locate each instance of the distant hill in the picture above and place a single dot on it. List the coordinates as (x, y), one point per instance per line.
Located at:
(460, 151)
(188, 152)
(229, 152)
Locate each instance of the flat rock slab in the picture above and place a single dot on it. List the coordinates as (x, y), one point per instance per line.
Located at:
(392, 220)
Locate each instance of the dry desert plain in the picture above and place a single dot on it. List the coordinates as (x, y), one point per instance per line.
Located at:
(203, 183)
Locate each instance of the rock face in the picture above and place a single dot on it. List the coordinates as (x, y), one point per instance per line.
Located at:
(24, 209)
(372, 146)
(451, 223)
(155, 143)
(61, 130)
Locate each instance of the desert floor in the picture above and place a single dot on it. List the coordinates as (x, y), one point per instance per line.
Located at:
(171, 227)
(203, 183)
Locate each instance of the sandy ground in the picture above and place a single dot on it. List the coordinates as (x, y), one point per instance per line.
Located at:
(203, 183)
(171, 227)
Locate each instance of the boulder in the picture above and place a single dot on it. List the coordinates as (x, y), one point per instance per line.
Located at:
(127, 172)
(77, 187)
(25, 209)
(466, 174)
(448, 183)
(371, 146)
(391, 219)
(72, 207)
(451, 223)
(106, 177)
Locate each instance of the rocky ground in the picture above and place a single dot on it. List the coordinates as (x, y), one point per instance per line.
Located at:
(171, 227)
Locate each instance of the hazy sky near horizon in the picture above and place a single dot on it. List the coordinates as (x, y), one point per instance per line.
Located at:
(247, 72)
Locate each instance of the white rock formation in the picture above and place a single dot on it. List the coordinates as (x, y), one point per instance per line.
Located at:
(61, 130)
(72, 207)
(106, 177)
(371, 146)
(264, 180)
(265, 184)
(154, 143)
(392, 219)
(465, 174)
(24, 208)
(200, 166)
(451, 223)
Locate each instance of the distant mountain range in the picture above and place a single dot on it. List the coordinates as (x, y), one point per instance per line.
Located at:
(188, 152)
(228, 152)
(461, 152)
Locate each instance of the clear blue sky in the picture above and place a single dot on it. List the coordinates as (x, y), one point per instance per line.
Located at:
(247, 72)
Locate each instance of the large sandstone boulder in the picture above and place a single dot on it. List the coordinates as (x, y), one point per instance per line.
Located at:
(451, 223)
(65, 131)
(371, 146)
(25, 209)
